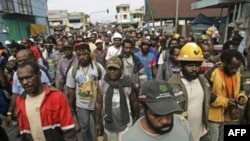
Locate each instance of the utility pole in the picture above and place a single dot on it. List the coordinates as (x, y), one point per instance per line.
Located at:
(176, 16)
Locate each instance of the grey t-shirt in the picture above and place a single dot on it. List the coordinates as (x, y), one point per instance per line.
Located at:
(180, 132)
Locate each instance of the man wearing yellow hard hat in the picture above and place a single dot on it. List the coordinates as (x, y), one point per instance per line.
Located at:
(192, 89)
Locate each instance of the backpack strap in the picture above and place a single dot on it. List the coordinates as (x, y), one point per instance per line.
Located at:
(98, 70)
(76, 66)
(74, 69)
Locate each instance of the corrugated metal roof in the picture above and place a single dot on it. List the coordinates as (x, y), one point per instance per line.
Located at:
(166, 9)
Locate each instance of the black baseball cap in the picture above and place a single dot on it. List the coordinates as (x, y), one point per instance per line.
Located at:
(158, 96)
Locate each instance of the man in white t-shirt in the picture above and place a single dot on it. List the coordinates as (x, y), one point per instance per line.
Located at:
(116, 48)
(82, 83)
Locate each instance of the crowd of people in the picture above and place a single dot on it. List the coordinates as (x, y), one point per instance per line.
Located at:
(120, 85)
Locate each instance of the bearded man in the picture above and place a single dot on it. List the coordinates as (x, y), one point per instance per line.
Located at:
(192, 90)
(132, 66)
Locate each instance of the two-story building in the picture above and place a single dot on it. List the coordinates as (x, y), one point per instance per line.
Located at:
(77, 21)
(64, 21)
(127, 17)
(58, 20)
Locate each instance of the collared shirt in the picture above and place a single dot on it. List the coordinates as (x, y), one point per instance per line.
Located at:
(63, 66)
(17, 87)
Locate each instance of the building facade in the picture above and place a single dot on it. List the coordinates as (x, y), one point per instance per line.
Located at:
(18, 18)
(125, 16)
(77, 21)
(62, 20)
(58, 20)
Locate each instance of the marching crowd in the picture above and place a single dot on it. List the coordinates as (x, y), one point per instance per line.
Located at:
(121, 85)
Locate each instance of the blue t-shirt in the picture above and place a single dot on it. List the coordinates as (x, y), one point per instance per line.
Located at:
(148, 61)
(155, 52)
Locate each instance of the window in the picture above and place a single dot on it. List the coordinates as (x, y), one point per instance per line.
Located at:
(125, 17)
(124, 9)
(25, 7)
(7, 5)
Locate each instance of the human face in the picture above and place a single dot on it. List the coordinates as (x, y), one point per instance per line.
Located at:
(173, 43)
(49, 47)
(99, 46)
(159, 124)
(92, 38)
(154, 42)
(114, 73)
(133, 34)
(21, 57)
(117, 42)
(174, 56)
(25, 43)
(191, 70)
(29, 80)
(107, 41)
(127, 49)
(231, 68)
(84, 58)
(13, 51)
(182, 42)
(67, 52)
(206, 51)
(145, 48)
(59, 47)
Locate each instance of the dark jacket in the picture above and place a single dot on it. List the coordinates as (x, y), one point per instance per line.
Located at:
(181, 95)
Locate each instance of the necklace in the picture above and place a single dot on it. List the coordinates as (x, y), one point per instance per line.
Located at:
(85, 72)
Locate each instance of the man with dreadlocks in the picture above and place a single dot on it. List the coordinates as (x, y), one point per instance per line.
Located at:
(82, 82)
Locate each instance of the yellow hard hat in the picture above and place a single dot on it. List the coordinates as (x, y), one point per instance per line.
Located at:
(191, 52)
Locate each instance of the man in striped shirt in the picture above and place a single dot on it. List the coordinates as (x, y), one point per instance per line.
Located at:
(192, 90)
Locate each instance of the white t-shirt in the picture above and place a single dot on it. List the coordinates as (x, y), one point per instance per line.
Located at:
(195, 107)
(32, 107)
(128, 65)
(113, 51)
(85, 82)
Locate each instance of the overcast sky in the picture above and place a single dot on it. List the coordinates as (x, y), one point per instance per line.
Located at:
(92, 7)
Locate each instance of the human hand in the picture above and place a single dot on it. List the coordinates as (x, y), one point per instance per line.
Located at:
(231, 101)
(8, 121)
(98, 129)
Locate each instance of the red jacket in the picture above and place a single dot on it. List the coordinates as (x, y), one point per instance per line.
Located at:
(56, 117)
